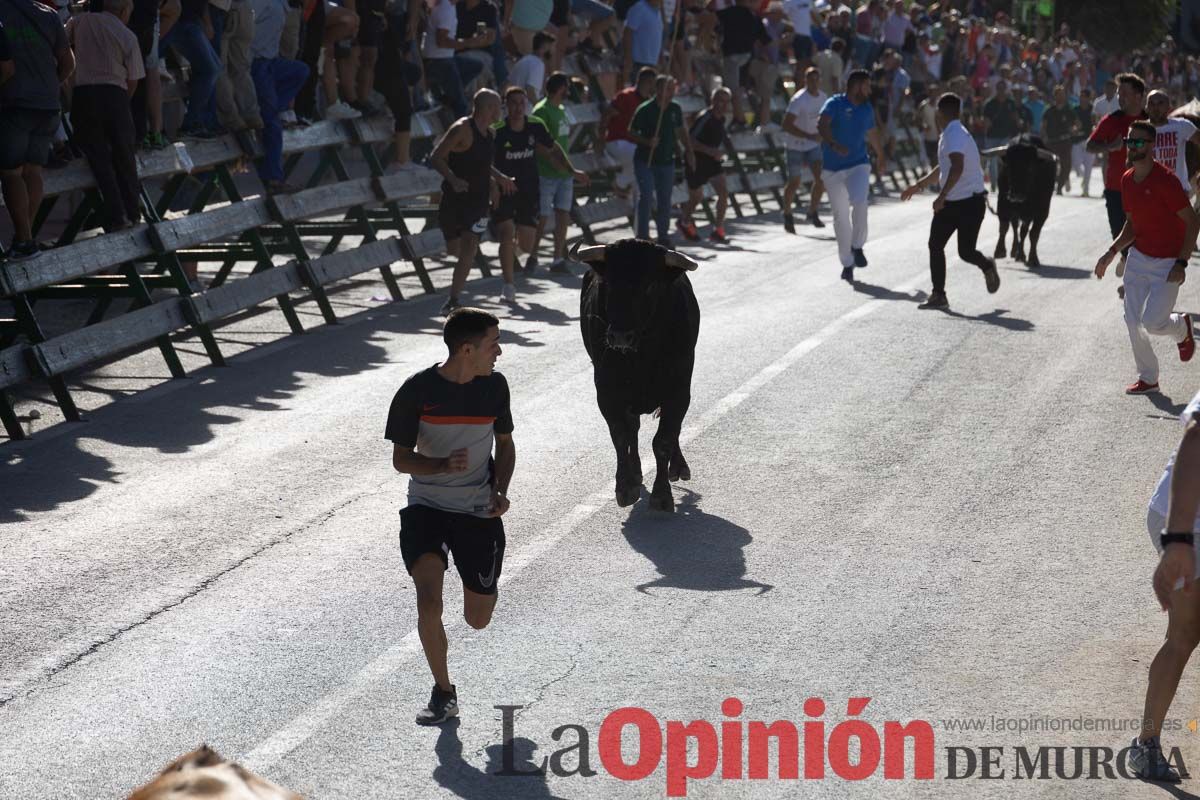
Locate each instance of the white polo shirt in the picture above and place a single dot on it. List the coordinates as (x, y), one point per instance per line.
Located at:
(1170, 148)
(955, 139)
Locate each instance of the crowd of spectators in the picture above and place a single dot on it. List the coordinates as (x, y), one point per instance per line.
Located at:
(92, 80)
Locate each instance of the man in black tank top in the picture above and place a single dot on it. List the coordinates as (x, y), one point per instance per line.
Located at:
(463, 157)
(518, 141)
(708, 139)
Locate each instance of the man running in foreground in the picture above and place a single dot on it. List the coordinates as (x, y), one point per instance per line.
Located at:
(1160, 231)
(961, 204)
(442, 424)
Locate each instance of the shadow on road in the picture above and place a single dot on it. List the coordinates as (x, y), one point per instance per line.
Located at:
(996, 318)
(1177, 791)
(1057, 272)
(1166, 405)
(691, 549)
(50, 471)
(883, 293)
(454, 773)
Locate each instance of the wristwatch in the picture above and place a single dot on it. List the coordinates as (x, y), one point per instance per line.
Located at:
(1181, 262)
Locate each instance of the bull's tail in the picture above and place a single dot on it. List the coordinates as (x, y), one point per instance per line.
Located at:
(987, 199)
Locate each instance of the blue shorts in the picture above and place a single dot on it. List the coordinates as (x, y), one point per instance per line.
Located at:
(557, 194)
(798, 159)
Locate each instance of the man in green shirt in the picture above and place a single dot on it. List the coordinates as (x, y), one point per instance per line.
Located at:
(556, 184)
(1060, 124)
(656, 129)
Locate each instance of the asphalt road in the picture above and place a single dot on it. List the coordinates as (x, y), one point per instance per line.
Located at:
(943, 512)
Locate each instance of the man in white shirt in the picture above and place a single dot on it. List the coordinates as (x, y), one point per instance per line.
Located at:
(961, 204)
(896, 26)
(449, 74)
(832, 65)
(1108, 103)
(800, 13)
(1170, 144)
(802, 143)
(529, 73)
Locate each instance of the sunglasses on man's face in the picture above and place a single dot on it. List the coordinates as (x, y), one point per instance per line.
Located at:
(1137, 143)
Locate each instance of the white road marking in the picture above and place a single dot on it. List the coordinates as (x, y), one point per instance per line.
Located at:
(304, 726)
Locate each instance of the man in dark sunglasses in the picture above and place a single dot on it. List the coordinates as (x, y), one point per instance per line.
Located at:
(1160, 232)
(1108, 140)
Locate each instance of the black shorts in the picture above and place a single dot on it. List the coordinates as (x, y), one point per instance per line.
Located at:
(25, 136)
(370, 22)
(459, 214)
(521, 207)
(706, 169)
(477, 544)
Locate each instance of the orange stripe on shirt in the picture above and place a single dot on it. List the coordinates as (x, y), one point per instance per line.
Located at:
(457, 420)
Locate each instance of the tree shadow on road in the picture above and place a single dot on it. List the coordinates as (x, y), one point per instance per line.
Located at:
(456, 774)
(691, 549)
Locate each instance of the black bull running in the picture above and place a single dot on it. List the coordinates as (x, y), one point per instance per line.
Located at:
(640, 322)
(1025, 187)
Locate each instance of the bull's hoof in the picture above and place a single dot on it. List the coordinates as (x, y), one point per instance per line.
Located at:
(1000, 252)
(628, 495)
(662, 501)
(679, 471)
(1033, 261)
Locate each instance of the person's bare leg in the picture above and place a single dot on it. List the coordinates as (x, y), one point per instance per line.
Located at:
(367, 57)
(154, 100)
(538, 233)
(32, 174)
(402, 142)
(468, 244)
(525, 238)
(478, 608)
(689, 205)
(427, 574)
(789, 194)
(16, 200)
(718, 183)
(561, 220)
(818, 189)
(348, 75)
(506, 231)
(1183, 632)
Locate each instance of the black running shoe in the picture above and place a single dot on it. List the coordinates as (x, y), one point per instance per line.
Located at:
(860, 258)
(442, 706)
(993, 278)
(936, 300)
(789, 223)
(848, 274)
(531, 264)
(815, 221)
(23, 251)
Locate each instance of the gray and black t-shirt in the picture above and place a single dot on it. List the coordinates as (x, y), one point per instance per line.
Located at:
(35, 38)
(435, 416)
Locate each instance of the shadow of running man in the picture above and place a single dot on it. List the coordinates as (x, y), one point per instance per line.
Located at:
(516, 775)
(692, 549)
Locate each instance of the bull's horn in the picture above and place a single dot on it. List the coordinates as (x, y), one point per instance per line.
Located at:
(993, 151)
(676, 259)
(588, 254)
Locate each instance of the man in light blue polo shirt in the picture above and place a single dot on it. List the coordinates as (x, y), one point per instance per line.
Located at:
(847, 124)
(643, 38)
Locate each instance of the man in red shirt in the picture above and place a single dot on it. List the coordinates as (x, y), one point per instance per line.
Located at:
(615, 122)
(1160, 231)
(1108, 139)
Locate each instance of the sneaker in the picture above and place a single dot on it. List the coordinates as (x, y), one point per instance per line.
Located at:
(531, 264)
(860, 258)
(688, 229)
(508, 294)
(287, 118)
(560, 267)
(992, 277)
(442, 706)
(1188, 346)
(1141, 387)
(815, 221)
(196, 133)
(789, 223)
(23, 251)
(718, 235)
(848, 274)
(341, 110)
(450, 304)
(936, 300)
(1147, 762)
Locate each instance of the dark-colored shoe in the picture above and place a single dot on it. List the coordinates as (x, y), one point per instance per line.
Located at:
(936, 300)
(815, 221)
(1146, 761)
(531, 264)
(992, 277)
(789, 223)
(23, 251)
(197, 133)
(848, 274)
(442, 706)
(282, 187)
(1187, 348)
(860, 258)
(450, 304)
(560, 267)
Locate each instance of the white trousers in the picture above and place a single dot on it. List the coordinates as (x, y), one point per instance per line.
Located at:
(1149, 302)
(1083, 162)
(622, 152)
(848, 190)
